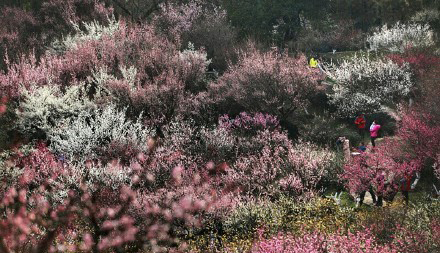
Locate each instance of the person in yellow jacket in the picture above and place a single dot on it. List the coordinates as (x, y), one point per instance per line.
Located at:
(313, 63)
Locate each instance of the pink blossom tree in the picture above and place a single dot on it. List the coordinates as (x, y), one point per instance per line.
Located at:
(265, 82)
(125, 64)
(24, 31)
(384, 169)
(201, 23)
(419, 132)
(52, 205)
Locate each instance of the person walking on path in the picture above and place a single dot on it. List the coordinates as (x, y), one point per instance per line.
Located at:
(374, 129)
(360, 123)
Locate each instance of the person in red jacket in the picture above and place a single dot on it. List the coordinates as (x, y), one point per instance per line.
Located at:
(360, 123)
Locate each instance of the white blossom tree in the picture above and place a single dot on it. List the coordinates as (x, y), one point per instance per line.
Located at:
(43, 106)
(399, 37)
(365, 85)
(92, 134)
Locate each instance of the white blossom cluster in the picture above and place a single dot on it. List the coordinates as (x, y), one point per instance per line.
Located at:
(365, 85)
(401, 36)
(219, 138)
(81, 137)
(190, 56)
(42, 107)
(426, 16)
(92, 31)
(96, 175)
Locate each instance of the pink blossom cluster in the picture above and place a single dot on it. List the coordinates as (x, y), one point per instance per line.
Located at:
(174, 20)
(385, 169)
(257, 121)
(96, 217)
(134, 67)
(266, 82)
(364, 240)
(360, 241)
(420, 131)
(25, 31)
(3, 104)
(278, 166)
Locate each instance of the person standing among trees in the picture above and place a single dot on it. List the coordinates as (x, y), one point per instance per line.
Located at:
(374, 129)
(360, 123)
(313, 62)
(406, 185)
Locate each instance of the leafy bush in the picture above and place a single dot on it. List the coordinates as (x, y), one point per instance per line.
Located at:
(286, 214)
(326, 131)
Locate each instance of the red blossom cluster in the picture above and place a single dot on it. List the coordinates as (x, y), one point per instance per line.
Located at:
(3, 103)
(420, 62)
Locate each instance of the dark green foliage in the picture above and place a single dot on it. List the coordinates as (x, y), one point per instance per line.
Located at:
(326, 131)
(258, 18)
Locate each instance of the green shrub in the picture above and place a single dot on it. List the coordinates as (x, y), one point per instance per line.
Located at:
(325, 131)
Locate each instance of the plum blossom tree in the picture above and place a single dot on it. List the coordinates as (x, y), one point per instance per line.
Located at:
(127, 64)
(262, 160)
(53, 205)
(199, 22)
(399, 37)
(419, 132)
(365, 85)
(25, 31)
(421, 63)
(384, 169)
(42, 107)
(3, 105)
(265, 82)
(97, 133)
